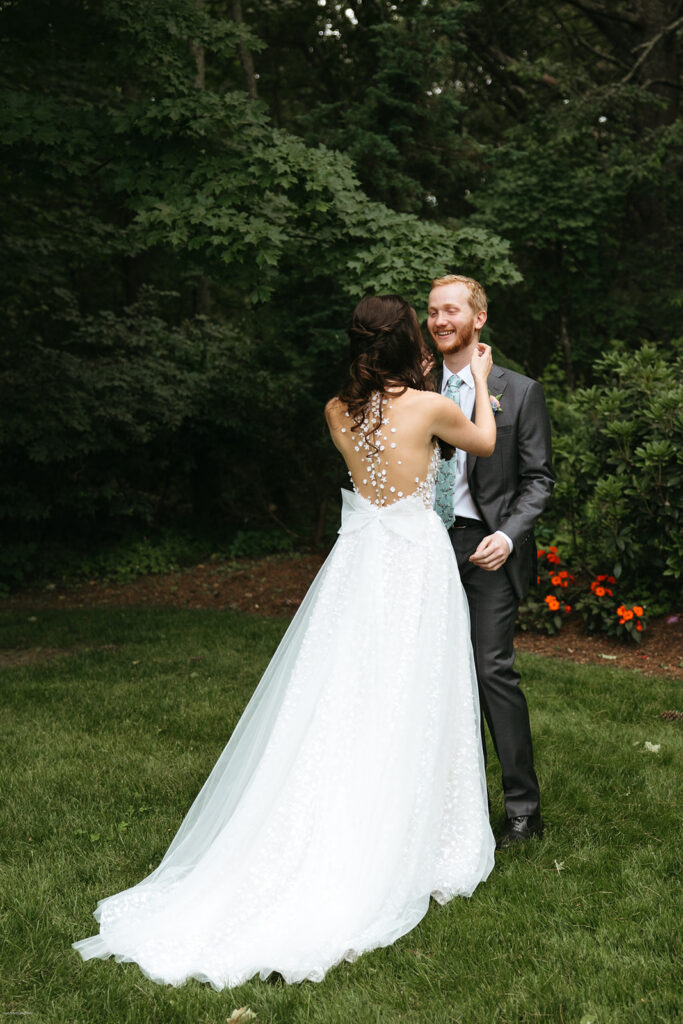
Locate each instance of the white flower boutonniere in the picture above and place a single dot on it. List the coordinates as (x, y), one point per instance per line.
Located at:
(495, 403)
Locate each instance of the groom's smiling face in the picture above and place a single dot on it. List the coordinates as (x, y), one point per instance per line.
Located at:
(451, 320)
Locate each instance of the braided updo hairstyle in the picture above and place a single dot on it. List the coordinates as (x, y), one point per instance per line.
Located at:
(386, 351)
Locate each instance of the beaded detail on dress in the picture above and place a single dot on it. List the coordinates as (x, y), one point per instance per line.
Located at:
(378, 441)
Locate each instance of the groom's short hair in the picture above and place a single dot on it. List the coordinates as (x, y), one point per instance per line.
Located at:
(477, 298)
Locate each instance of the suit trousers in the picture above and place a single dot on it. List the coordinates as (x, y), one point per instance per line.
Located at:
(493, 610)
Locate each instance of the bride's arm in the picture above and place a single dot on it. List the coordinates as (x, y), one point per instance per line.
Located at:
(451, 424)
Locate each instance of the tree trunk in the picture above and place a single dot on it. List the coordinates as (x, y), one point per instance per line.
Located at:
(203, 301)
(246, 58)
(202, 291)
(656, 56)
(565, 341)
(656, 67)
(198, 52)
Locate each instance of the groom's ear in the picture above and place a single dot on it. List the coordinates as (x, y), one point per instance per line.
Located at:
(480, 319)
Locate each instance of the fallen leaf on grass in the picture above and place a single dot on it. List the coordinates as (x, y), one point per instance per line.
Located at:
(240, 1015)
(654, 748)
(608, 657)
(559, 866)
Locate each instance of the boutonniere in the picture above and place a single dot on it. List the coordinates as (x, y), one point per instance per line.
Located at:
(495, 402)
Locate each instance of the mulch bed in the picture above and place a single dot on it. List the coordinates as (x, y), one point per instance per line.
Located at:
(275, 586)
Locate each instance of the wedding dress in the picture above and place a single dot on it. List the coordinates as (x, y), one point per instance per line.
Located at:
(352, 788)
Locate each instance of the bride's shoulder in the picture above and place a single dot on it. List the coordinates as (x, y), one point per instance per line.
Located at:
(415, 395)
(334, 411)
(431, 407)
(427, 399)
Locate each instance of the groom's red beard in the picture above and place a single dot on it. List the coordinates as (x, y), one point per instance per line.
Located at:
(459, 339)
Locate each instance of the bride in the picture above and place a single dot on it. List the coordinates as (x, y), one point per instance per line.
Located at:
(352, 788)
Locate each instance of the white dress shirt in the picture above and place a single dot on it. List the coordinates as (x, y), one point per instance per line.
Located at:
(463, 502)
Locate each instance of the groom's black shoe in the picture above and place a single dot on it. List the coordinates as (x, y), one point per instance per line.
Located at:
(519, 830)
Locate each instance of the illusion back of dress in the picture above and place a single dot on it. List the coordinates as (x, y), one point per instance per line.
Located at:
(387, 458)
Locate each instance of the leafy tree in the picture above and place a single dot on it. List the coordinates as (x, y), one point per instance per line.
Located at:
(178, 272)
(553, 124)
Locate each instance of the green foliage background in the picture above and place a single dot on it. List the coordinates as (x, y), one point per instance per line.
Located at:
(194, 195)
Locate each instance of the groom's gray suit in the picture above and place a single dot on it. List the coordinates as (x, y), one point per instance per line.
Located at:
(510, 490)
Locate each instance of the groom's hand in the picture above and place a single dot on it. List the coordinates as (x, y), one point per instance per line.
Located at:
(492, 553)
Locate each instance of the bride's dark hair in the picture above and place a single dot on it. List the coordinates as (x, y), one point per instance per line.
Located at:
(386, 350)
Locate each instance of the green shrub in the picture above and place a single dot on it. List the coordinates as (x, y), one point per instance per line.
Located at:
(618, 460)
(114, 561)
(16, 561)
(132, 556)
(257, 543)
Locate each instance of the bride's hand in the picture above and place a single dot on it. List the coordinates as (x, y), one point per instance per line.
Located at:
(428, 363)
(481, 362)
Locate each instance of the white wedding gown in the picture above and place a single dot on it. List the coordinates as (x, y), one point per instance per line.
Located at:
(352, 788)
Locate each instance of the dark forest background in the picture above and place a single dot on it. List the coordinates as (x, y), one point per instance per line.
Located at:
(194, 194)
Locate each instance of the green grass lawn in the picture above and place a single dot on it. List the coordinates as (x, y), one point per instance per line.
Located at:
(107, 738)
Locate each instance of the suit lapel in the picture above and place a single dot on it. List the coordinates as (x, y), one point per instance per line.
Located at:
(497, 384)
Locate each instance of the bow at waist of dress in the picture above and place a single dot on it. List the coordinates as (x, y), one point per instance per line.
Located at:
(406, 516)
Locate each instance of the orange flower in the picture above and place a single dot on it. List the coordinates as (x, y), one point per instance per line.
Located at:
(638, 609)
(538, 579)
(553, 549)
(564, 583)
(552, 602)
(601, 579)
(639, 627)
(621, 609)
(553, 559)
(540, 551)
(611, 579)
(628, 615)
(600, 591)
(608, 591)
(556, 581)
(622, 621)
(567, 608)
(594, 584)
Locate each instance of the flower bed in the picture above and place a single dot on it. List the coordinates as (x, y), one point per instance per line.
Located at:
(596, 600)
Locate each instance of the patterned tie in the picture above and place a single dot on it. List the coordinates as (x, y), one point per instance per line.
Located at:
(445, 481)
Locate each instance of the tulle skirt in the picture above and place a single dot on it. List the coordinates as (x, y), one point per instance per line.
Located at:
(352, 789)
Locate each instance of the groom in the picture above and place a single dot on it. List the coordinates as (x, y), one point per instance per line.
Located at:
(490, 506)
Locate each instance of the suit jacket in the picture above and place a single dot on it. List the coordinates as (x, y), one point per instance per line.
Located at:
(511, 487)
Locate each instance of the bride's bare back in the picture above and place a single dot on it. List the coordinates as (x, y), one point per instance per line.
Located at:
(389, 456)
